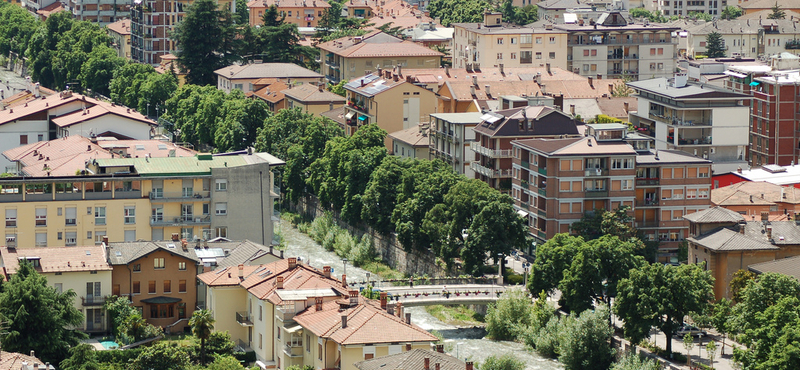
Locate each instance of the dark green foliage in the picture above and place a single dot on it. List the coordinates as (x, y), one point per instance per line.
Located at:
(17, 26)
(510, 316)
(631, 361)
(777, 12)
(238, 122)
(119, 357)
(519, 15)
(81, 357)
(161, 356)
(201, 37)
(586, 341)
(118, 309)
(457, 11)
(731, 12)
(504, 362)
(740, 280)
(661, 296)
(715, 48)
(37, 317)
(202, 324)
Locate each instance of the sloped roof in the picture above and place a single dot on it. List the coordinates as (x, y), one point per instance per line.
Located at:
(336, 115)
(124, 253)
(376, 44)
(714, 215)
(545, 121)
(783, 232)
(615, 106)
(308, 93)
(288, 4)
(413, 359)
(272, 93)
(411, 136)
(122, 26)
(366, 324)
(58, 259)
(266, 70)
(724, 239)
(14, 361)
(101, 109)
(577, 146)
(50, 9)
(667, 156)
(241, 252)
(768, 4)
(754, 193)
(786, 266)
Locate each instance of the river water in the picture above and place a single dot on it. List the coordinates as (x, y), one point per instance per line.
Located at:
(464, 343)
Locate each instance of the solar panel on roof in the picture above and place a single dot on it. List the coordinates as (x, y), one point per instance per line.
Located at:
(139, 147)
(162, 147)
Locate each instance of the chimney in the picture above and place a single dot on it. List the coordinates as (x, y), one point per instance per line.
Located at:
(742, 226)
(447, 70)
(320, 87)
(739, 170)
(488, 90)
(105, 239)
(326, 270)
(184, 245)
(353, 297)
(279, 282)
(344, 321)
(572, 108)
(426, 363)
(380, 70)
(362, 83)
(408, 318)
(88, 147)
(436, 366)
(32, 353)
(469, 365)
(591, 82)
(241, 272)
(625, 104)
(440, 348)
(472, 90)
(474, 80)
(547, 67)
(599, 76)
(769, 232)
(502, 70)
(400, 70)
(408, 347)
(383, 301)
(344, 280)
(398, 309)
(318, 303)
(395, 77)
(764, 216)
(292, 263)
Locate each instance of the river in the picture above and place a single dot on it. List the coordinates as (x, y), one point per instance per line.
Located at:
(465, 343)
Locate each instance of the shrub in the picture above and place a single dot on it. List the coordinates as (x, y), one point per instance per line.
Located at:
(363, 252)
(343, 243)
(504, 362)
(329, 241)
(585, 341)
(515, 279)
(634, 362)
(508, 318)
(546, 341)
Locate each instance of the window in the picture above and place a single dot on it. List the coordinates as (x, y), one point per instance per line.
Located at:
(538, 40)
(526, 57)
(538, 55)
(167, 286)
(71, 239)
(157, 214)
(500, 41)
(188, 188)
(594, 52)
(222, 232)
(552, 55)
(552, 40)
(308, 343)
(261, 339)
(11, 218)
(71, 216)
(622, 163)
(158, 263)
(151, 285)
(23, 139)
(221, 184)
(513, 56)
(182, 266)
(525, 39)
(137, 267)
(586, 52)
(99, 215)
(130, 214)
(319, 351)
(41, 216)
(158, 189)
(261, 316)
(181, 286)
(627, 184)
(59, 287)
(130, 235)
(499, 56)
(206, 206)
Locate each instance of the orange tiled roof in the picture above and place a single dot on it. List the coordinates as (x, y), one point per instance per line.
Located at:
(122, 27)
(376, 44)
(366, 324)
(272, 93)
(62, 259)
(13, 360)
(50, 9)
(309, 93)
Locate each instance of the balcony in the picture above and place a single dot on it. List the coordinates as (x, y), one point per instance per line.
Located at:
(645, 182)
(185, 220)
(93, 300)
(594, 172)
(293, 346)
(489, 172)
(541, 213)
(285, 312)
(525, 164)
(596, 193)
(641, 224)
(492, 153)
(523, 184)
(542, 171)
(178, 196)
(543, 192)
(243, 318)
(647, 203)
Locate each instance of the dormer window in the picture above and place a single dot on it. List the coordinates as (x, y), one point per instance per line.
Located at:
(34, 261)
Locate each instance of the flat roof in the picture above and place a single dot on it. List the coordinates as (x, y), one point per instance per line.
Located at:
(460, 118)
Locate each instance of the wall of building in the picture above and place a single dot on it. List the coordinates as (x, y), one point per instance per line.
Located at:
(133, 129)
(352, 68)
(247, 187)
(392, 113)
(11, 136)
(302, 17)
(724, 265)
(76, 281)
(226, 303)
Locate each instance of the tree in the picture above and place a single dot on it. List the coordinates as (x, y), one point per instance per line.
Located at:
(740, 280)
(721, 313)
(392, 31)
(661, 296)
(161, 356)
(202, 323)
(119, 309)
(278, 39)
(586, 341)
(81, 357)
(125, 85)
(338, 89)
(688, 343)
(504, 362)
(510, 316)
(199, 37)
(496, 231)
(242, 15)
(457, 11)
(226, 363)
(156, 89)
(329, 21)
(239, 121)
(99, 68)
(714, 45)
(134, 328)
(219, 343)
(777, 12)
(380, 196)
(552, 258)
(711, 349)
(37, 317)
(42, 46)
(701, 16)
(301, 155)
(631, 361)
(731, 12)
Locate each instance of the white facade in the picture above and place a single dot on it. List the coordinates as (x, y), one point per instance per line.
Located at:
(451, 137)
(20, 133)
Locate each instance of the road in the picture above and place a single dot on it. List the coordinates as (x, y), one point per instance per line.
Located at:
(699, 353)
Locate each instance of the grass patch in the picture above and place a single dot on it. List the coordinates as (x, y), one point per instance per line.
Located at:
(383, 270)
(182, 339)
(455, 315)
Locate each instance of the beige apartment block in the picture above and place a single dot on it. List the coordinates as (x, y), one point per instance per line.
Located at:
(314, 99)
(493, 44)
(303, 13)
(249, 77)
(120, 32)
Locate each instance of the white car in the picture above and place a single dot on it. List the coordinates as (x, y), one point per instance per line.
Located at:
(691, 330)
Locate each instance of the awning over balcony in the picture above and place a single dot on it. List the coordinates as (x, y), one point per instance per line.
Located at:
(362, 118)
(755, 83)
(735, 74)
(522, 213)
(161, 300)
(294, 329)
(349, 115)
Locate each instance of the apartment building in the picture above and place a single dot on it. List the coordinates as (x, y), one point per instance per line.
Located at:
(60, 115)
(360, 8)
(412, 142)
(683, 8)
(415, 359)
(101, 12)
(303, 13)
(314, 99)
(290, 313)
(492, 43)
(702, 120)
(270, 91)
(83, 270)
(494, 135)
(724, 242)
(120, 32)
(127, 199)
(774, 134)
(387, 99)
(612, 47)
(244, 77)
(746, 38)
(450, 138)
(752, 199)
(556, 181)
(351, 57)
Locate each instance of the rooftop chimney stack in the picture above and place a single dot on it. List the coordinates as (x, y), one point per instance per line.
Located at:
(318, 303)
(474, 80)
(326, 270)
(279, 282)
(547, 67)
(426, 363)
(469, 365)
(241, 272)
(344, 321)
(769, 233)
(408, 347)
(292, 263)
(353, 297)
(742, 227)
(344, 280)
(440, 348)
(591, 82)
(488, 90)
(408, 318)
(383, 301)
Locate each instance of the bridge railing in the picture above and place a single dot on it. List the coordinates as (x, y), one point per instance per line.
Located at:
(430, 281)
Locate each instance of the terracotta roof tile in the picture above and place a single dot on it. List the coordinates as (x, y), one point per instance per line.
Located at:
(754, 193)
(309, 93)
(374, 45)
(122, 27)
(60, 259)
(411, 136)
(266, 70)
(272, 93)
(14, 361)
(414, 359)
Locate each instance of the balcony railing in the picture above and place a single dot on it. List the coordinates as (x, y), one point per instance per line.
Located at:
(596, 193)
(169, 196)
(181, 220)
(542, 171)
(647, 203)
(652, 181)
(592, 172)
(525, 164)
(489, 172)
(243, 318)
(93, 300)
(523, 184)
(492, 153)
(285, 312)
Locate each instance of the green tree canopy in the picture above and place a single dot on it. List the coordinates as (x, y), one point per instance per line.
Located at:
(630, 361)
(202, 324)
(81, 357)
(777, 12)
(161, 356)
(126, 83)
(552, 259)
(238, 122)
(731, 12)
(201, 37)
(661, 296)
(510, 316)
(586, 341)
(505, 361)
(37, 317)
(714, 45)
(457, 11)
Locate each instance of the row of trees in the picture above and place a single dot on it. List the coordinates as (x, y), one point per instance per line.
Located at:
(459, 11)
(729, 12)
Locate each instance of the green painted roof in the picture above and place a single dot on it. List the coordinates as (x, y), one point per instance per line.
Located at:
(171, 166)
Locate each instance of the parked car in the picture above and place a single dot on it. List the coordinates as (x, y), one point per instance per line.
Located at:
(691, 330)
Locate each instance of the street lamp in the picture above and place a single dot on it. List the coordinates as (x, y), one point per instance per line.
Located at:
(500, 268)
(344, 261)
(148, 109)
(525, 266)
